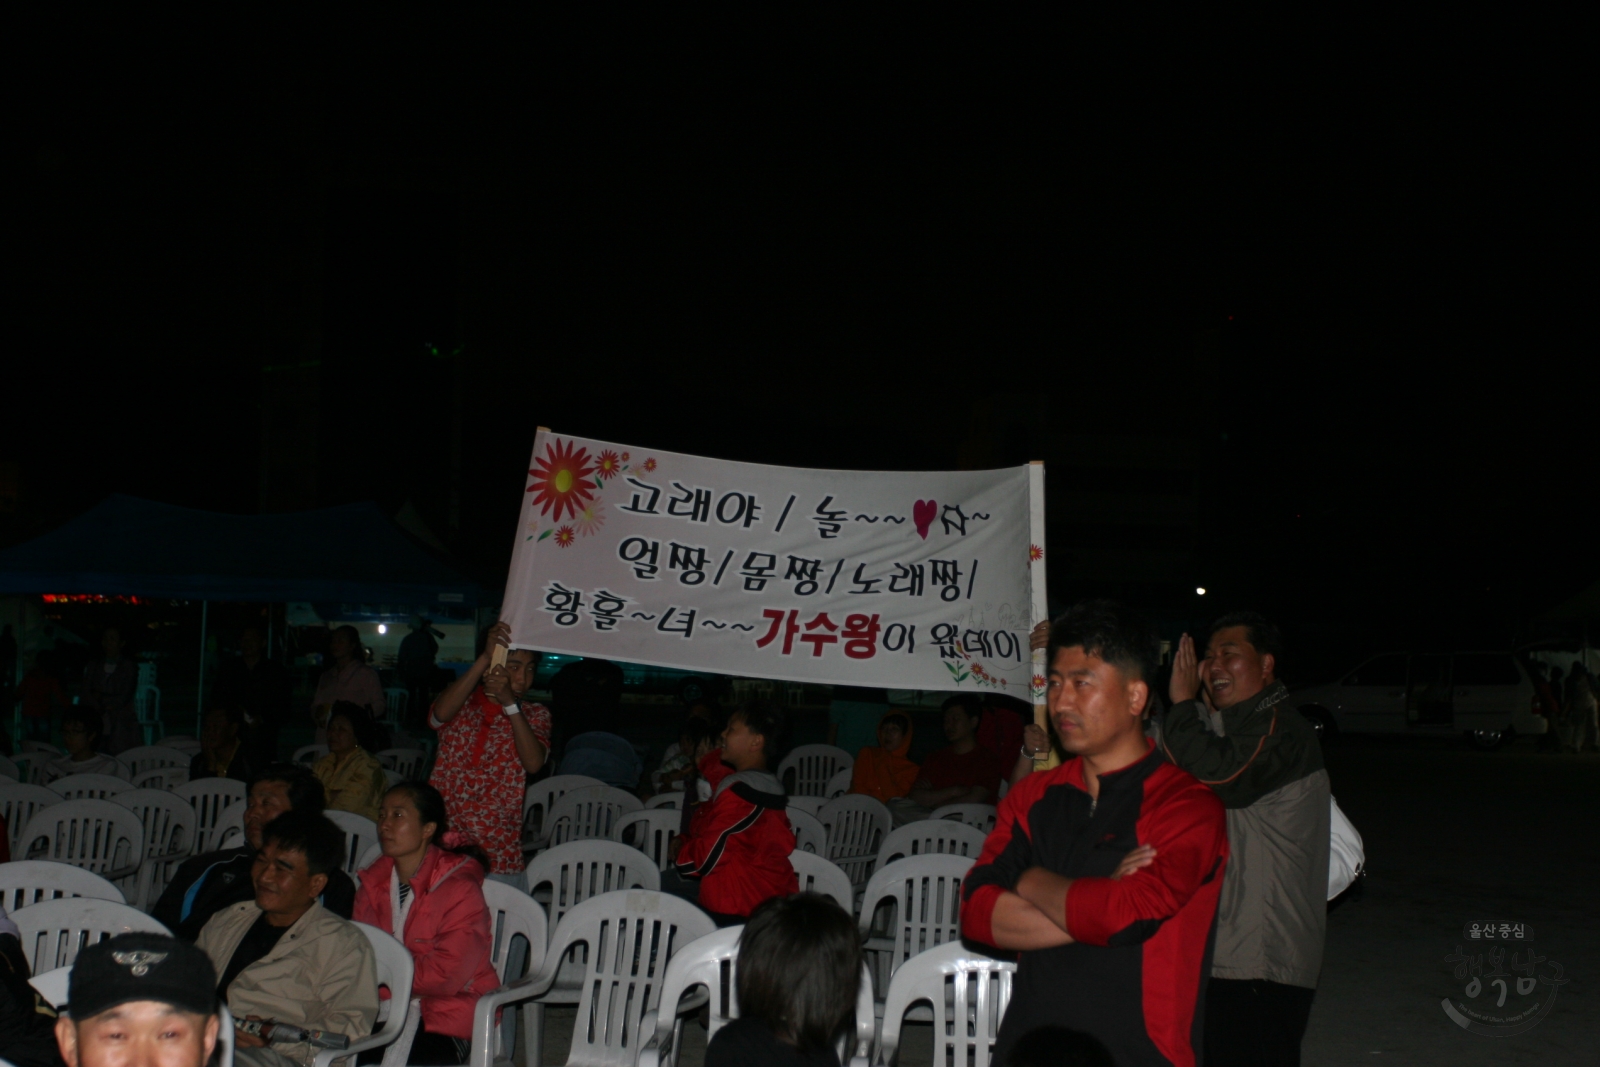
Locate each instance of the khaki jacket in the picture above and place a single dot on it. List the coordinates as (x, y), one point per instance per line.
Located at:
(321, 975)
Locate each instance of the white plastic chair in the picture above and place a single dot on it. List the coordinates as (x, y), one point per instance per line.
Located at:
(210, 797)
(810, 805)
(840, 783)
(806, 770)
(144, 757)
(147, 709)
(168, 778)
(926, 893)
(809, 835)
(189, 746)
(512, 914)
(967, 994)
(360, 833)
(589, 812)
(370, 855)
(631, 938)
(31, 767)
(169, 835)
(18, 802)
(55, 931)
(538, 800)
(579, 870)
(408, 762)
(978, 815)
(394, 778)
(648, 830)
(9, 770)
(929, 837)
(820, 875)
(229, 830)
(856, 826)
(395, 703)
(309, 754)
(97, 835)
(24, 883)
(92, 786)
(713, 962)
(42, 746)
(395, 970)
(672, 799)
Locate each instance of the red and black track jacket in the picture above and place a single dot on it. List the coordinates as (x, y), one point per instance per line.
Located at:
(739, 842)
(1135, 976)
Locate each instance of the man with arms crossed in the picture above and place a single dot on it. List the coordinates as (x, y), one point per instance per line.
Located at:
(139, 999)
(1263, 760)
(1104, 872)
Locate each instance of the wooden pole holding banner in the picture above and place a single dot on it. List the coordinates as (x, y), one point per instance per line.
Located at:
(498, 654)
(1041, 606)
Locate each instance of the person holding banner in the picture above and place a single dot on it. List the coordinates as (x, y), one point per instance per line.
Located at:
(490, 740)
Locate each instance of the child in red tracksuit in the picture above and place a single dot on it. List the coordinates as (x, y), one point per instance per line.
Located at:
(739, 841)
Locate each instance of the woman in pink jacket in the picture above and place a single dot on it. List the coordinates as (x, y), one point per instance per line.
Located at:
(427, 890)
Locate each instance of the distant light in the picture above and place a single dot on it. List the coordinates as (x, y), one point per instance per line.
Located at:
(1199, 590)
(382, 629)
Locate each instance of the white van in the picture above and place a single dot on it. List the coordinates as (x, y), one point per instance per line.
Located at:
(1485, 695)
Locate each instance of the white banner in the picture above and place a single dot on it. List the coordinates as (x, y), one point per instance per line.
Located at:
(913, 580)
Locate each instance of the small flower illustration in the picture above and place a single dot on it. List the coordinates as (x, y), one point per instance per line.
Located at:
(649, 464)
(565, 536)
(591, 517)
(1035, 553)
(608, 465)
(1038, 681)
(624, 457)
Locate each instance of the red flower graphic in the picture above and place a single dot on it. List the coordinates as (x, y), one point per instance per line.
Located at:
(608, 465)
(565, 536)
(591, 518)
(649, 464)
(561, 479)
(1038, 681)
(1035, 553)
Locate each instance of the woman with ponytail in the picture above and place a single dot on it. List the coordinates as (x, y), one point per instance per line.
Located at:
(427, 890)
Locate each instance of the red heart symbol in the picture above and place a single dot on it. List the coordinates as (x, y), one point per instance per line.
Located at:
(923, 514)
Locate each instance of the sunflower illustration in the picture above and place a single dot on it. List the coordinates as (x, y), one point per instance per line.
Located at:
(1035, 553)
(565, 536)
(609, 465)
(561, 479)
(591, 517)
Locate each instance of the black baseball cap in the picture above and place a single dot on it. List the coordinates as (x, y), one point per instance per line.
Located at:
(132, 967)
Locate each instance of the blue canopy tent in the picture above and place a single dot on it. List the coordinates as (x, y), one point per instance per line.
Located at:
(125, 546)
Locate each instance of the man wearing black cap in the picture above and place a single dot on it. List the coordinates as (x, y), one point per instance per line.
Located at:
(206, 884)
(140, 998)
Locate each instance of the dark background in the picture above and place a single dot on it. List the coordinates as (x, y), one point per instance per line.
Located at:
(1305, 333)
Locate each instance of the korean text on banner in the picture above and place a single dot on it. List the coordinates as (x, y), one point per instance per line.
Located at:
(904, 580)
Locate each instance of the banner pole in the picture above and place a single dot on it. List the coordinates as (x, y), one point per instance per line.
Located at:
(497, 655)
(1041, 606)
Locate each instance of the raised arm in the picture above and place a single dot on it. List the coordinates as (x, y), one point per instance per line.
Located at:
(453, 699)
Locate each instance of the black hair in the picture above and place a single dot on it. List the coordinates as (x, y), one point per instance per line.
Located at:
(968, 702)
(305, 789)
(310, 833)
(361, 722)
(234, 713)
(799, 969)
(896, 718)
(431, 808)
(86, 717)
(1056, 1046)
(695, 730)
(1263, 636)
(1116, 633)
(354, 636)
(767, 719)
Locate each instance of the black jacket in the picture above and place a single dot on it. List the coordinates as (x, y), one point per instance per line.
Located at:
(206, 884)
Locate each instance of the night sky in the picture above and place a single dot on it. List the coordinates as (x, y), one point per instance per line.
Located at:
(1350, 293)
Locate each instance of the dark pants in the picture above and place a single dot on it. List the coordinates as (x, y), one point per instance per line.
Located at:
(688, 889)
(1255, 1023)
